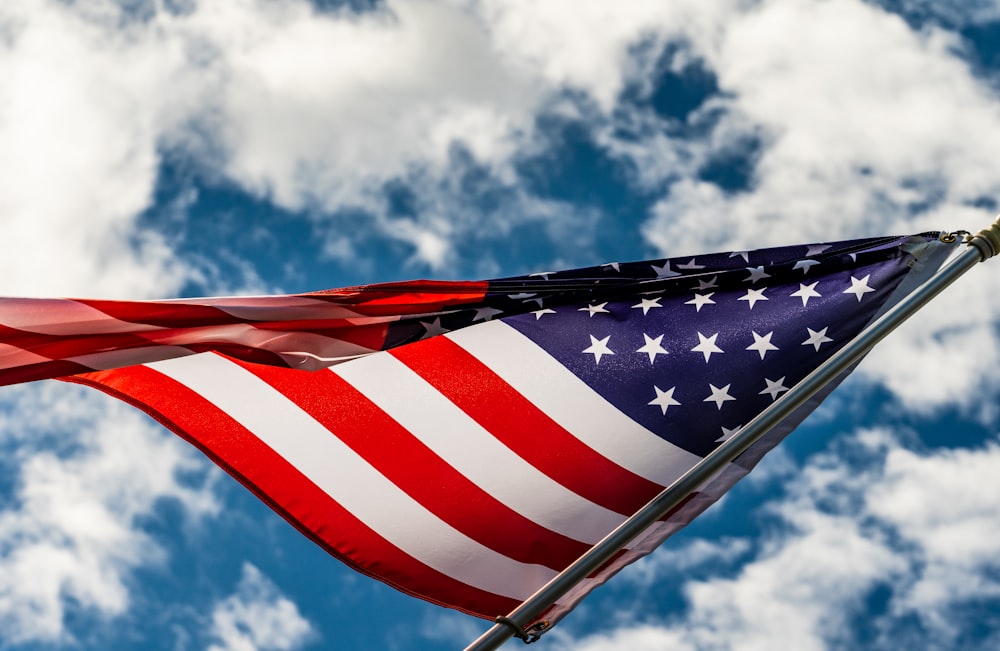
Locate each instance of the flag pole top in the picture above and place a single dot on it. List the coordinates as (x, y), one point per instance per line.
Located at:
(987, 241)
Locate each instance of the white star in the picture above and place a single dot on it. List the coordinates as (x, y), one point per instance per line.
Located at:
(594, 309)
(817, 339)
(523, 296)
(728, 433)
(691, 265)
(647, 304)
(816, 249)
(486, 313)
(711, 283)
(859, 287)
(543, 274)
(743, 254)
(613, 265)
(433, 328)
(663, 399)
(774, 388)
(665, 271)
(757, 273)
(598, 348)
(540, 313)
(804, 265)
(701, 299)
(806, 292)
(753, 295)
(706, 345)
(652, 347)
(719, 396)
(762, 344)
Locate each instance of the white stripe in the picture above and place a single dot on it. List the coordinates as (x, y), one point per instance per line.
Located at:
(129, 356)
(13, 356)
(347, 478)
(280, 308)
(469, 448)
(570, 402)
(300, 349)
(60, 316)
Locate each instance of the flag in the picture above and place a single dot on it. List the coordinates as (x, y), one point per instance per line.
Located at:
(464, 442)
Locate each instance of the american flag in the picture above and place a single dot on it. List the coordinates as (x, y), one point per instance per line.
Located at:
(503, 427)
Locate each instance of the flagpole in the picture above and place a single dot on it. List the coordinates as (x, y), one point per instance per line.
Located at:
(981, 247)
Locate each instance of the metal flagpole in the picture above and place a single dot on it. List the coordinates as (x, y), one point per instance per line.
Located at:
(981, 247)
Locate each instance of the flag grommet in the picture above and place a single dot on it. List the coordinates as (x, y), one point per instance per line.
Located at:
(952, 237)
(526, 635)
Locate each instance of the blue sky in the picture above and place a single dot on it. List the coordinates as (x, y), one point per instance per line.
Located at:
(160, 148)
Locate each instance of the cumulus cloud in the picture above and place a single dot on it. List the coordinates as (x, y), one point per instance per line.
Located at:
(696, 554)
(317, 112)
(79, 127)
(941, 506)
(915, 524)
(325, 108)
(887, 127)
(850, 123)
(322, 111)
(258, 617)
(90, 471)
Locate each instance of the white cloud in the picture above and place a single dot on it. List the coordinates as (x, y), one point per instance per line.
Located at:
(317, 111)
(947, 354)
(324, 108)
(863, 126)
(942, 507)
(445, 626)
(80, 116)
(258, 617)
(313, 111)
(696, 554)
(920, 525)
(72, 533)
(583, 46)
(861, 121)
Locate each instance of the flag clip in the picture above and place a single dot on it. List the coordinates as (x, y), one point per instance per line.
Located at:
(526, 635)
(952, 237)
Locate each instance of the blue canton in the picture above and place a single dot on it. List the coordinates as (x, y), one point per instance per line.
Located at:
(693, 348)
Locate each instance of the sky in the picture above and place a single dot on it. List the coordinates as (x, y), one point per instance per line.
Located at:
(167, 148)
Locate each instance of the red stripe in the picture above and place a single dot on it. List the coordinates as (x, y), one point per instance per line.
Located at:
(286, 490)
(40, 371)
(245, 353)
(417, 470)
(61, 347)
(366, 335)
(413, 297)
(166, 315)
(523, 427)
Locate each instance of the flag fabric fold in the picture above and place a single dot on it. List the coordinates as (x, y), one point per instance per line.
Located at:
(464, 442)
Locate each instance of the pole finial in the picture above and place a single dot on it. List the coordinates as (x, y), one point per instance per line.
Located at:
(987, 241)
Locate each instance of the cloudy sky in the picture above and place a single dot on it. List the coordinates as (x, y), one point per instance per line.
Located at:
(162, 148)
